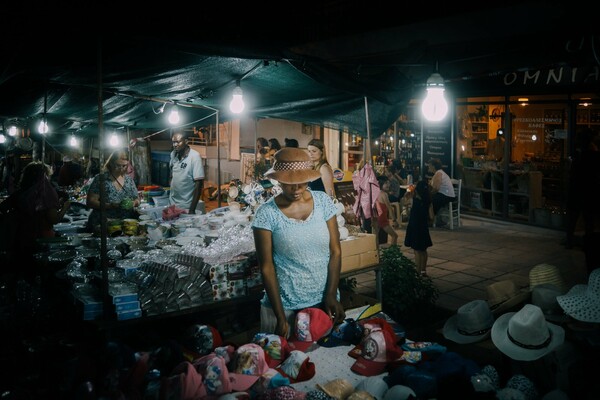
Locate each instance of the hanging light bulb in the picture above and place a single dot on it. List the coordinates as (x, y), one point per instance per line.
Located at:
(73, 141)
(12, 131)
(43, 126)
(434, 106)
(114, 140)
(174, 115)
(2, 138)
(237, 102)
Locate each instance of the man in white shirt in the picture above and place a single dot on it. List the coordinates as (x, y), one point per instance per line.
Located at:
(187, 174)
(442, 191)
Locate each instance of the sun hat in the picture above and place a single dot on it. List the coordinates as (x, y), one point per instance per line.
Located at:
(311, 325)
(504, 295)
(376, 386)
(518, 387)
(377, 350)
(546, 273)
(544, 296)
(471, 323)
(525, 335)
(582, 302)
(292, 165)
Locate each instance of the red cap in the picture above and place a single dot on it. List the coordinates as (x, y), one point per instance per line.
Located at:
(378, 349)
(311, 325)
(297, 367)
(276, 347)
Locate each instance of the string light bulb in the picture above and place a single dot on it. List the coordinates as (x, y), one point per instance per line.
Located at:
(43, 126)
(114, 140)
(12, 131)
(237, 102)
(2, 138)
(435, 106)
(174, 115)
(73, 141)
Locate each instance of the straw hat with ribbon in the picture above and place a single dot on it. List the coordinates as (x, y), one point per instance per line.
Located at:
(505, 295)
(292, 166)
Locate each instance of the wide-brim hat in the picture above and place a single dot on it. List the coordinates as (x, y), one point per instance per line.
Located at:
(582, 302)
(546, 273)
(525, 335)
(292, 165)
(505, 295)
(471, 323)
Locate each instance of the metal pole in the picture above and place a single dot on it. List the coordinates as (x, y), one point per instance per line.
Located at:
(368, 145)
(218, 162)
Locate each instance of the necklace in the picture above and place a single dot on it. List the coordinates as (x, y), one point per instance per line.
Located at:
(117, 180)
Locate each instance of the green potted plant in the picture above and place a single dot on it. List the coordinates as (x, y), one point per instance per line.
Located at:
(408, 296)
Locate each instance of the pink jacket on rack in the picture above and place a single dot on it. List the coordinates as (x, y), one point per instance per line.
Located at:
(367, 191)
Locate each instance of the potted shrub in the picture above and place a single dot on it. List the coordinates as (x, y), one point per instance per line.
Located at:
(408, 296)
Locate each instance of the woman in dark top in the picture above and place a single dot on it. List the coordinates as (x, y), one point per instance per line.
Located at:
(316, 151)
(417, 231)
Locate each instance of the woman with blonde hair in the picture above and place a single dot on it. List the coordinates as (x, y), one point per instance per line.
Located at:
(119, 188)
(316, 152)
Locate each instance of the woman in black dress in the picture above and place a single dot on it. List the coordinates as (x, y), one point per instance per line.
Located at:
(417, 231)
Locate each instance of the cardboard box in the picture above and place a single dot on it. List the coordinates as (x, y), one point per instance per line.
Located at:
(358, 244)
(350, 263)
(369, 258)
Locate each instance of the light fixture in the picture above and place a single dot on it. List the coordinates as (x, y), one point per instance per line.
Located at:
(434, 106)
(12, 130)
(114, 140)
(73, 141)
(237, 102)
(2, 138)
(43, 126)
(500, 132)
(174, 115)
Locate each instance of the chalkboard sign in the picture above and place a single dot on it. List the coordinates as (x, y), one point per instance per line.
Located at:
(437, 143)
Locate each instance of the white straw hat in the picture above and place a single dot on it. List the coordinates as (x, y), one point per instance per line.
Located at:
(582, 302)
(526, 335)
(471, 323)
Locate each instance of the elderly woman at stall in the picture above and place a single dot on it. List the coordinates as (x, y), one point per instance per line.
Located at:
(119, 188)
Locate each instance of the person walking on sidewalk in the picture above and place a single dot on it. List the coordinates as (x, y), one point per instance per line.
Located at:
(417, 231)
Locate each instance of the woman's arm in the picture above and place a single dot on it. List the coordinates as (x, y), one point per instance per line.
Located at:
(263, 241)
(332, 306)
(327, 178)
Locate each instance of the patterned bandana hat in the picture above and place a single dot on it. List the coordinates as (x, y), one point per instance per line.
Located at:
(582, 302)
(518, 387)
